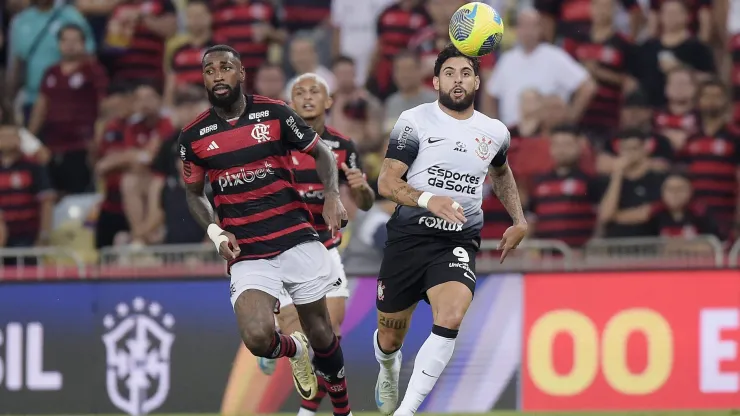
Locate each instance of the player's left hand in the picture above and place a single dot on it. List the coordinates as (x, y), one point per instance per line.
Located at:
(511, 239)
(355, 178)
(334, 212)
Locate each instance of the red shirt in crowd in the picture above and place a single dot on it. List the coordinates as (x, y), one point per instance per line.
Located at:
(22, 184)
(73, 100)
(305, 14)
(186, 61)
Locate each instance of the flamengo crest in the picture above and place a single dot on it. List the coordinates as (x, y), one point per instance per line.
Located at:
(138, 341)
(484, 148)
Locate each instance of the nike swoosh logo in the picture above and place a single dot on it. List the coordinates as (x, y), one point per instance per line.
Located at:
(473, 12)
(304, 394)
(469, 276)
(428, 375)
(435, 139)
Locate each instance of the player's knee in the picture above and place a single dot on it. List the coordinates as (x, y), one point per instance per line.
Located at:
(450, 317)
(258, 339)
(390, 340)
(319, 332)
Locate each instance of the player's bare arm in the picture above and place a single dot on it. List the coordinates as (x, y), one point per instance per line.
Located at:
(392, 186)
(202, 211)
(362, 194)
(326, 167)
(504, 187)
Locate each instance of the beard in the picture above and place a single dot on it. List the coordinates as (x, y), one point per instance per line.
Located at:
(226, 101)
(445, 98)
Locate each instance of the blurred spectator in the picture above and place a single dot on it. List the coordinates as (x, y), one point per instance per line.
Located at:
(364, 251)
(135, 38)
(144, 137)
(397, 25)
(633, 189)
(301, 15)
(571, 20)
(97, 13)
(610, 59)
(536, 65)
(563, 202)
(66, 110)
(304, 59)
(249, 26)
(700, 19)
(354, 34)
(31, 146)
(411, 91)
(638, 115)
(728, 34)
(678, 120)
(27, 200)
(111, 161)
(712, 158)
(270, 81)
(674, 47)
(676, 215)
(356, 112)
(184, 66)
(531, 110)
(34, 47)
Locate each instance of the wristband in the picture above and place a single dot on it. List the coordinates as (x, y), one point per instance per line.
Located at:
(214, 233)
(424, 199)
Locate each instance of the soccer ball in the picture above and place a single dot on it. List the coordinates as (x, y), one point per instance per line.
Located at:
(476, 29)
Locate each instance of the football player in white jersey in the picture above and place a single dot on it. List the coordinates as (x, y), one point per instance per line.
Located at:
(437, 160)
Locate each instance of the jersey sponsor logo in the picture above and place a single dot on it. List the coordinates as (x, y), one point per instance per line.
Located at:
(243, 176)
(463, 183)
(259, 115)
(435, 139)
(312, 194)
(407, 130)
(439, 224)
(183, 152)
(352, 161)
(206, 130)
(261, 133)
(460, 147)
(484, 148)
(331, 143)
(294, 127)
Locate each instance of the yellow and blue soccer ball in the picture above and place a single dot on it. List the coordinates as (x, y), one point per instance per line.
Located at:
(476, 29)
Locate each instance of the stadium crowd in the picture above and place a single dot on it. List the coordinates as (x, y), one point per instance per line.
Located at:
(621, 111)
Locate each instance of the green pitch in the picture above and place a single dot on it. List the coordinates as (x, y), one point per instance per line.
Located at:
(695, 413)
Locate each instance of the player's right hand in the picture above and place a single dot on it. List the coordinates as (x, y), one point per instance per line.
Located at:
(446, 208)
(229, 250)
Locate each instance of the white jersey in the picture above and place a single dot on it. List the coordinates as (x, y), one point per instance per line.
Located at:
(449, 157)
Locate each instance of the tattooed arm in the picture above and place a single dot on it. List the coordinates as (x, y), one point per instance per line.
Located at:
(198, 204)
(391, 186)
(326, 167)
(504, 187)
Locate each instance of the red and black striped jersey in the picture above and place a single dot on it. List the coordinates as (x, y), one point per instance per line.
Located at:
(309, 184)
(565, 206)
(300, 15)
(694, 220)
(713, 163)
(113, 141)
(658, 147)
(665, 120)
(186, 62)
(616, 55)
(142, 57)
(251, 173)
(21, 185)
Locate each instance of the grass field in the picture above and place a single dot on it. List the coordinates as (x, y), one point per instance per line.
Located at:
(512, 413)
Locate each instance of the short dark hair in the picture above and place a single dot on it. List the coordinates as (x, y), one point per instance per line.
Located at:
(679, 173)
(73, 27)
(407, 54)
(571, 129)
(269, 65)
(221, 48)
(148, 84)
(120, 87)
(342, 59)
(712, 82)
(449, 52)
(631, 134)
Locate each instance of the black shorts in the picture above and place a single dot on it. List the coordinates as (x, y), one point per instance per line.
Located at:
(109, 224)
(70, 172)
(414, 264)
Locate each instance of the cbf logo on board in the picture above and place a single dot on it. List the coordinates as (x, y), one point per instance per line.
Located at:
(138, 342)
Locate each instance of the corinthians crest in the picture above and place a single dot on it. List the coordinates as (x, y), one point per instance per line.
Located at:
(138, 341)
(484, 148)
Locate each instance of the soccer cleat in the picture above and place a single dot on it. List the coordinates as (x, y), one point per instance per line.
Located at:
(386, 388)
(267, 365)
(304, 377)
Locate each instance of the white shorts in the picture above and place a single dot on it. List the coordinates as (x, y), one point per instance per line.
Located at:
(304, 271)
(340, 287)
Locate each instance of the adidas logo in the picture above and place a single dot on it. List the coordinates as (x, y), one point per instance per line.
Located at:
(212, 146)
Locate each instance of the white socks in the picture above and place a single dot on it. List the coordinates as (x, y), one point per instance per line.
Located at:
(385, 360)
(431, 360)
